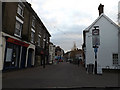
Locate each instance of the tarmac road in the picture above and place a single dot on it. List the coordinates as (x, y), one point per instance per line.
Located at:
(63, 75)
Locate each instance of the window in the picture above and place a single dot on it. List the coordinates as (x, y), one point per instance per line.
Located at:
(33, 22)
(47, 39)
(18, 28)
(115, 59)
(51, 48)
(32, 35)
(38, 40)
(43, 44)
(39, 32)
(20, 9)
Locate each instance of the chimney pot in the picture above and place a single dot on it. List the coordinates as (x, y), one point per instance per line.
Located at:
(101, 9)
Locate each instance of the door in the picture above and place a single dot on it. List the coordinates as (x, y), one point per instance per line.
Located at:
(23, 57)
(29, 62)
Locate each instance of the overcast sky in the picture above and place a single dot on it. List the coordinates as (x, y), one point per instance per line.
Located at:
(66, 19)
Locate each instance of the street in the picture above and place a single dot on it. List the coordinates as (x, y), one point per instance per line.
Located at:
(64, 75)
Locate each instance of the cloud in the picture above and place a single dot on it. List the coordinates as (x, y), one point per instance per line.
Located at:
(66, 19)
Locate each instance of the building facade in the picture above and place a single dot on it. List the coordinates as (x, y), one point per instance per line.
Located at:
(51, 53)
(105, 54)
(21, 35)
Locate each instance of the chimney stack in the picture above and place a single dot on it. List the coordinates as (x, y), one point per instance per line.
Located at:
(101, 9)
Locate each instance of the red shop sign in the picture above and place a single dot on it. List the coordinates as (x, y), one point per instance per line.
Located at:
(17, 42)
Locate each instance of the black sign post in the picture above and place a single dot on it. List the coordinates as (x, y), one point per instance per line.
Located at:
(96, 43)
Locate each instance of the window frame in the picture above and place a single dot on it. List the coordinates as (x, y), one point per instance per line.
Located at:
(33, 22)
(39, 39)
(32, 37)
(16, 29)
(21, 7)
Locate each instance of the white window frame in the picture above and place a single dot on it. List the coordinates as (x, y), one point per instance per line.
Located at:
(21, 7)
(32, 30)
(32, 37)
(33, 22)
(17, 21)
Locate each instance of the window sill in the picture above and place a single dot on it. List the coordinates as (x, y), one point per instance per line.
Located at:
(20, 15)
(17, 35)
(32, 42)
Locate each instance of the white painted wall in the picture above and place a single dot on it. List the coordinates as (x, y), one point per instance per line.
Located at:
(108, 43)
(119, 47)
(51, 53)
(89, 50)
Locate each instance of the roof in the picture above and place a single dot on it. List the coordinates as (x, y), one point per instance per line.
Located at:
(102, 15)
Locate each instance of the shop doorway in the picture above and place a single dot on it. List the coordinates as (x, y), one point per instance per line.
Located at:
(23, 57)
(30, 57)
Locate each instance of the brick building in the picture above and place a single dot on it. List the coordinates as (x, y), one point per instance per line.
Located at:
(22, 36)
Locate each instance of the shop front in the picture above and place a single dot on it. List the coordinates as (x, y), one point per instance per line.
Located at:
(15, 53)
(39, 56)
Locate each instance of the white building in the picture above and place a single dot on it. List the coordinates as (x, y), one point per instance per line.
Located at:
(107, 55)
(51, 53)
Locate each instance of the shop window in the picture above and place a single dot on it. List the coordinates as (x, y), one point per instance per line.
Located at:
(115, 59)
(18, 28)
(9, 55)
(12, 56)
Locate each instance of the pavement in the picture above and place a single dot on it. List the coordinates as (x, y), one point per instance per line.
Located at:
(62, 75)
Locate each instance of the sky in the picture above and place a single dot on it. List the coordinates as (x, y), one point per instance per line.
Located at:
(66, 19)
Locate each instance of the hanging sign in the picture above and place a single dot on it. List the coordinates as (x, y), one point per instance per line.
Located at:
(95, 38)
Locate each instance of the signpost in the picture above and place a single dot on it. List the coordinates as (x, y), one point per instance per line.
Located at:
(96, 43)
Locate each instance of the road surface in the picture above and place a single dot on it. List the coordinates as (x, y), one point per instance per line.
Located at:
(63, 75)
